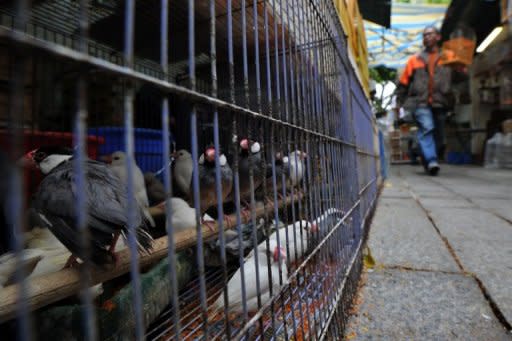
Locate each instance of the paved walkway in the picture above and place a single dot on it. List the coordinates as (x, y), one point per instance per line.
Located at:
(443, 258)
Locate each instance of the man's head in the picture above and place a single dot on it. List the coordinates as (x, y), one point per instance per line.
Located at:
(431, 37)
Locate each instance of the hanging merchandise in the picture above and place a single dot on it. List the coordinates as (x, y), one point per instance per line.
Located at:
(459, 49)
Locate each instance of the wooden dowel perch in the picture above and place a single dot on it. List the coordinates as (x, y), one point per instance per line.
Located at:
(47, 289)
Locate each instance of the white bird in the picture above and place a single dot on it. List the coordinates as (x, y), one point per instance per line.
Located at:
(118, 167)
(44, 254)
(8, 264)
(296, 167)
(183, 216)
(297, 244)
(234, 285)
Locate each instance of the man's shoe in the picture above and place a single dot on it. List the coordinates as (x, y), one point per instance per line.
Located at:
(433, 168)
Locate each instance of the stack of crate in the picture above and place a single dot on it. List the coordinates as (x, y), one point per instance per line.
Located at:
(394, 142)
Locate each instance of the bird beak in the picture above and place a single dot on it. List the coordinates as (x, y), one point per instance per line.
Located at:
(106, 158)
(244, 144)
(279, 251)
(314, 228)
(27, 160)
(210, 154)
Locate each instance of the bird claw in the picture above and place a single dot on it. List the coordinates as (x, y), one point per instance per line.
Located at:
(210, 225)
(71, 262)
(246, 214)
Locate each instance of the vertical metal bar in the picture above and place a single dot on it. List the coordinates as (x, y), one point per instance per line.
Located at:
(303, 73)
(129, 143)
(169, 227)
(257, 54)
(251, 171)
(311, 195)
(251, 176)
(297, 44)
(79, 169)
(195, 190)
(292, 73)
(285, 67)
(276, 56)
(14, 207)
(236, 180)
(195, 156)
(276, 219)
(218, 181)
(300, 39)
(244, 55)
(267, 55)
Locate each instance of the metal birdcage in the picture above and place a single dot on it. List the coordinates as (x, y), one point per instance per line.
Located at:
(248, 170)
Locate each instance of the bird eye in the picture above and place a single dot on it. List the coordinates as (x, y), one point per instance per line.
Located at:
(40, 156)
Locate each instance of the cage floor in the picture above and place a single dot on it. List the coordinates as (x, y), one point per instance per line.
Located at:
(300, 310)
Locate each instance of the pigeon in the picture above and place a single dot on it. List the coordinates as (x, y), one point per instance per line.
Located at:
(206, 167)
(154, 188)
(278, 254)
(118, 167)
(250, 156)
(182, 169)
(297, 245)
(106, 203)
(295, 168)
(281, 167)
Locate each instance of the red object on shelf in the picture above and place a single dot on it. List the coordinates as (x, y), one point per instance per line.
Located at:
(33, 139)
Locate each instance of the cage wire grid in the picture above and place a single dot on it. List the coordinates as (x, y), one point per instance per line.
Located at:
(284, 243)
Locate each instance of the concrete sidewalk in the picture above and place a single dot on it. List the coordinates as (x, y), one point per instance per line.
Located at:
(443, 252)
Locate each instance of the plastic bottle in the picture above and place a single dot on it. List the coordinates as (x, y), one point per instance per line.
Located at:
(490, 152)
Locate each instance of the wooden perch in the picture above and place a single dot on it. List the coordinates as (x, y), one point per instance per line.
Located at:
(47, 289)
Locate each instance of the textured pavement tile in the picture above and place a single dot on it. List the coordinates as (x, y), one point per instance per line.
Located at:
(457, 202)
(483, 243)
(416, 305)
(402, 235)
(498, 206)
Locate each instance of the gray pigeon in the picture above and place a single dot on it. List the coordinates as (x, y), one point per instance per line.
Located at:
(105, 200)
(118, 167)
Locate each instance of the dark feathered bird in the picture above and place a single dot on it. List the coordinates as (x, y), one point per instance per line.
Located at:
(206, 166)
(249, 156)
(155, 189)
(105, 200)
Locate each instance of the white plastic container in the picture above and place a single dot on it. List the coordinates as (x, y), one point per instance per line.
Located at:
(507, 150)
(490, 158)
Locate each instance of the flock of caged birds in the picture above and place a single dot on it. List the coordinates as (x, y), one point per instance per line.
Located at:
(55, 242)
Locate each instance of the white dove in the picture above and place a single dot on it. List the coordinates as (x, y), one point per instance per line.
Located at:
(235, 285)
(299, 242)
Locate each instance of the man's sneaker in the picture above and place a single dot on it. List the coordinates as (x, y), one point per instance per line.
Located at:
(433, 168)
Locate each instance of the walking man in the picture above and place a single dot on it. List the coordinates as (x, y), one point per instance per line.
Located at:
(425, 90)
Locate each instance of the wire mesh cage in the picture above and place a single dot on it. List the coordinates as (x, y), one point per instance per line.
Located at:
(180, 170)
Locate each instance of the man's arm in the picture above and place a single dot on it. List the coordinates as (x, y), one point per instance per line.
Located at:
(404, 82)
